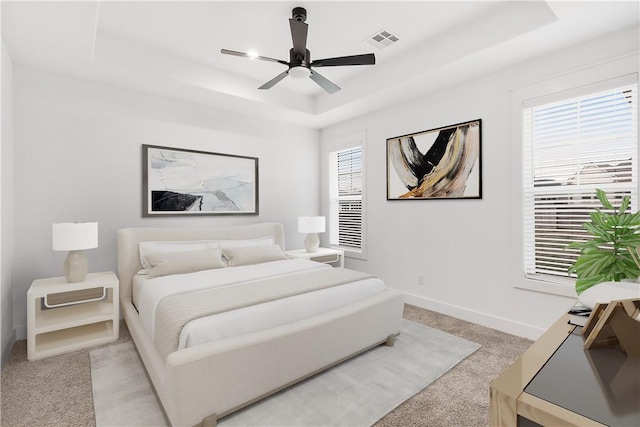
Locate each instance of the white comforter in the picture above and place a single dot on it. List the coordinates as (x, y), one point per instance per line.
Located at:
(148, 293)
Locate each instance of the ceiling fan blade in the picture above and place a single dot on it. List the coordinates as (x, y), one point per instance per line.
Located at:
(246, 55)
(366, 59)
(273, 81)
(323, 82)
(299, 36)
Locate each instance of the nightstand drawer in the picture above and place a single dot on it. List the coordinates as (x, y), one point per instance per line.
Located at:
(74, 297)
(324, 255)
(325, 258)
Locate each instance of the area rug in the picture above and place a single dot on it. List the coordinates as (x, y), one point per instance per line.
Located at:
(357, 392)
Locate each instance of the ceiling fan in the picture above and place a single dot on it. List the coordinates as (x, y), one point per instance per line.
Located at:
(300, 64)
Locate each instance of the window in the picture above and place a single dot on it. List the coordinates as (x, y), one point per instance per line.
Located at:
(574, 143)
(345, 199)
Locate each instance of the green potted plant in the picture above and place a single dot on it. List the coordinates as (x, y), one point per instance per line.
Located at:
(611, 255)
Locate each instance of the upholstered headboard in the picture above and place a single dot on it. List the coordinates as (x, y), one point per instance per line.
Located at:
(129, 240)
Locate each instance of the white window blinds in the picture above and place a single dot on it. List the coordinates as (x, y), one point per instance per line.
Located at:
(571, 147)
(346, 198)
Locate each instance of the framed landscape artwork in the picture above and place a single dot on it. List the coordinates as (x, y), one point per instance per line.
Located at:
(442, 163)
(177, 181)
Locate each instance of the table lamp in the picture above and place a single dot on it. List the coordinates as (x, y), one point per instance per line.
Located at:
(75, 237)
(311, 225)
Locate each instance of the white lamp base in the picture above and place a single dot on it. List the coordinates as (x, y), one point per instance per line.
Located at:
(75, 266)
(311, 243)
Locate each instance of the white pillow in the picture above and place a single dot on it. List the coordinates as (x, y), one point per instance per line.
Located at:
(253, 255)
(247, 243)
(165, 264)
(164, 247)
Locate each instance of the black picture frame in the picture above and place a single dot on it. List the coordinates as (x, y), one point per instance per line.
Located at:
(440, 163)
(179, 181)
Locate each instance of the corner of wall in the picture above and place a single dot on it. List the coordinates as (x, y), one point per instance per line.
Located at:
(7, 331)
(6, 350)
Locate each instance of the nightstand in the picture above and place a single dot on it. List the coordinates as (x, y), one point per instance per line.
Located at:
(324, 255)
(64, 317)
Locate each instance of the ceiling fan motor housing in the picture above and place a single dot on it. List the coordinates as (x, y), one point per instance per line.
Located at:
(296, 60)
(299, 14)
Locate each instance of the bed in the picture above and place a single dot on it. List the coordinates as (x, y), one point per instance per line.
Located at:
(199, 381)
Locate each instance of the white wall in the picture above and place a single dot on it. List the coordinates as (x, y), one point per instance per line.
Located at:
(462, 247)
(78, 158)
(6, 208)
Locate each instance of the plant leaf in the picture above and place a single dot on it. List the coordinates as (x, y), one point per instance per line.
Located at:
(609, 255)
(625, 204)
(628, 266)
(594, 263)
(598, 218)
(596, 230)
(584, 284)
(635, 256)
(623, 225)
(613, 221)
(634, 220)
(602, 196)
(630, 240)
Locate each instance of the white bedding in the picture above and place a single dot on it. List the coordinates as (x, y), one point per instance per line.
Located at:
(149, 292)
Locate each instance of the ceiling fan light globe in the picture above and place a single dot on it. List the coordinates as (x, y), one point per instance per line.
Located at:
(299, 72)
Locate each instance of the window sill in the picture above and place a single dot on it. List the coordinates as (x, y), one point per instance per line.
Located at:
(560, 288)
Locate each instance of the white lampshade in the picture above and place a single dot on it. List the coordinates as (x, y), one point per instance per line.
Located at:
(311, 224)
(74, 236)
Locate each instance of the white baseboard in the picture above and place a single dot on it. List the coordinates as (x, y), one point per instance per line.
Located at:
(484, 319)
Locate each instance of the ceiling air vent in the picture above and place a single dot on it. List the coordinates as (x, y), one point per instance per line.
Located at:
(382, 39)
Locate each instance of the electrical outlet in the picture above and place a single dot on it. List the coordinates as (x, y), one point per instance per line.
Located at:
(420, 279)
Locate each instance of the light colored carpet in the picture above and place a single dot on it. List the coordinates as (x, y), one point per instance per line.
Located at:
(122, 392)
(356, 393)
(56, 391)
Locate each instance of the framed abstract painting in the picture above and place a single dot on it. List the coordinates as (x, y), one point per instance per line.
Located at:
(178, 181)
(441, 163)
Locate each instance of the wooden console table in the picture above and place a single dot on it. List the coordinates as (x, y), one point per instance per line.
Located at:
(558, 383)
